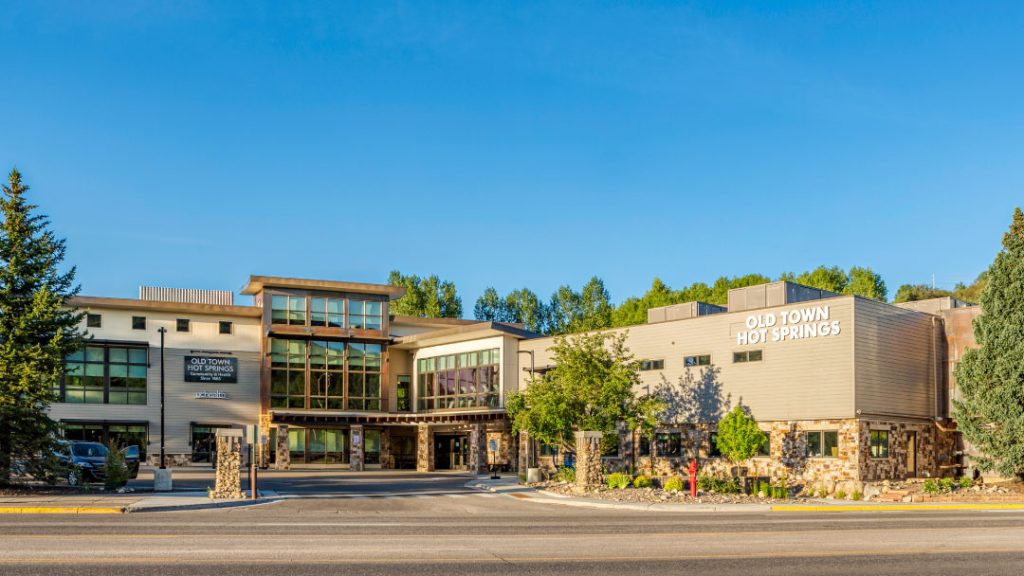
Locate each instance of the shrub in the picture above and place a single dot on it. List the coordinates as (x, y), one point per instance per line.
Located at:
(617, 481)
(116, 469)
(643, 482)
(947, 484)
(931, 486)
(709, 483)
(674, 484)
(840, 494)
(966, 482)
(764, 487)
(856, 495)
(566, 474)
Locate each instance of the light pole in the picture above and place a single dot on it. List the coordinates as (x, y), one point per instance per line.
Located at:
(163, 465)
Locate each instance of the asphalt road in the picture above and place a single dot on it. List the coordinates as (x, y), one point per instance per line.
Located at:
(431, 525)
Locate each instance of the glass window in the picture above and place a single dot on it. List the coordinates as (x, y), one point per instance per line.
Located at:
(224, 327)
(465, 380)
(879, 443)
(93, 320)
(713, 450)
(365, 314)
(285, 309)
(823, 444)
(668, 444)
(652, 365)
(104, 375)
(747, 356)
(701, 360)
(138, 322)
(287, 373)
(183, 324)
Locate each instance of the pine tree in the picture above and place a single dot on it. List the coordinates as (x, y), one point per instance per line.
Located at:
(990, 412)
(36, 330)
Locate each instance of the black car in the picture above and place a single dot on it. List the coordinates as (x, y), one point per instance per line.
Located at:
(131, 460)
(84, 461)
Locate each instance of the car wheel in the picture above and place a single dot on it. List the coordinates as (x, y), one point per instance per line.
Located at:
(74, 477)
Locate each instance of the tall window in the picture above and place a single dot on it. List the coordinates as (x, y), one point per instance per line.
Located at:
(285, 309)
(288, 373)
(328, 312)
(105, 375)
(466, 380)
(364, 376)
(327, 375)
(879, 443)
(365, 314)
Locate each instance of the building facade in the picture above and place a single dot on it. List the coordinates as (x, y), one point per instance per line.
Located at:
(845, 388)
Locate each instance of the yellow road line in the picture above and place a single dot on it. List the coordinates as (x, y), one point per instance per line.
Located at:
(61, 510)
(895, 507)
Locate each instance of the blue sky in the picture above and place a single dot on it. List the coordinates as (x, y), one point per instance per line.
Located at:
(191, 144)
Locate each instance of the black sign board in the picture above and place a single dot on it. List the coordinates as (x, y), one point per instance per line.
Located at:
(212, 369)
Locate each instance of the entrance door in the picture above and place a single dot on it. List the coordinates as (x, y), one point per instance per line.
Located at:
(911, 454)
(451, 452)
(371, 448)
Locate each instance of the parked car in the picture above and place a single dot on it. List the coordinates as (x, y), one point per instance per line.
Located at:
(83, 461)
(131, 460)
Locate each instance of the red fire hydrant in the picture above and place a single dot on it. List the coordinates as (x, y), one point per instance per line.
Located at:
(693, 477)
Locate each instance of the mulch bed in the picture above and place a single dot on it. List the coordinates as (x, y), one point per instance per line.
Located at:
(654, 495)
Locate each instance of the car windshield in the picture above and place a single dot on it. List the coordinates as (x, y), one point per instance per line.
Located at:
(89, 449)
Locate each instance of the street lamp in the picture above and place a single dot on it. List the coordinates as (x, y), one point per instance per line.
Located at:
(163, 464)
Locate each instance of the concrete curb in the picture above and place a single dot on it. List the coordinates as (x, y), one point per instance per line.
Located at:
(894, 507)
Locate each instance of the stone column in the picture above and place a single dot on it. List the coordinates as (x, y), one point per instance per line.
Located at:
(477, 449)
(527, 455)
(228, 476)
(424, 448)
(588, 458)
(284, 456)
(386, 463)
(355, 458)
(263, 450)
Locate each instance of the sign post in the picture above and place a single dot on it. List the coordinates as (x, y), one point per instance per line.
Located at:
(252, 436)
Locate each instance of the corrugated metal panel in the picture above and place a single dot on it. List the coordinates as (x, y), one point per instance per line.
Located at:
(187, 295)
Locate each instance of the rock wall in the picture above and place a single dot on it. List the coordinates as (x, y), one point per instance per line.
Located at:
(228, 482)
(477, 449)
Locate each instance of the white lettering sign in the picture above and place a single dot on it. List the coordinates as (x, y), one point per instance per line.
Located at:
(208, 395)
(810, 322)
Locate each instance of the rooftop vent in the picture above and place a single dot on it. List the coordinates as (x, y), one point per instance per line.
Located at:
(682, 311)
(186, 295)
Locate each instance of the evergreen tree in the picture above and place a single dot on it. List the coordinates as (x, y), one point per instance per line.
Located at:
(36, 331)
(990, 411)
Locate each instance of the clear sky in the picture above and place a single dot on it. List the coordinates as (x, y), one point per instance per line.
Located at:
(190, 144)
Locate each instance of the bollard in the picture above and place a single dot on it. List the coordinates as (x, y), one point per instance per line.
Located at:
(693, 477)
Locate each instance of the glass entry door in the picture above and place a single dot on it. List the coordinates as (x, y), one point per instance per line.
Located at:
(371, 448)
(451, 452)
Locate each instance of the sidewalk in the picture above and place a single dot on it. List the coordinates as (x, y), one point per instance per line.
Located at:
(121, 503)
(510, 486)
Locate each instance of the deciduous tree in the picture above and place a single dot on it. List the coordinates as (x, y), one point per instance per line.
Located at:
(427, 297)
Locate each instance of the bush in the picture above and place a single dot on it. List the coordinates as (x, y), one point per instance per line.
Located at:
(966, 482)
(617, 481)
(856, 495)
(840, 495)
(931, 486)
(566, 474)
(674, 484)
(947, 484)
(643, 482)
(709, 483)
(764, 487)
(116, 469)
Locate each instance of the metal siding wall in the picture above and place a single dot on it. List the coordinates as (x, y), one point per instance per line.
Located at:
(805, 379)
(896, 360)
